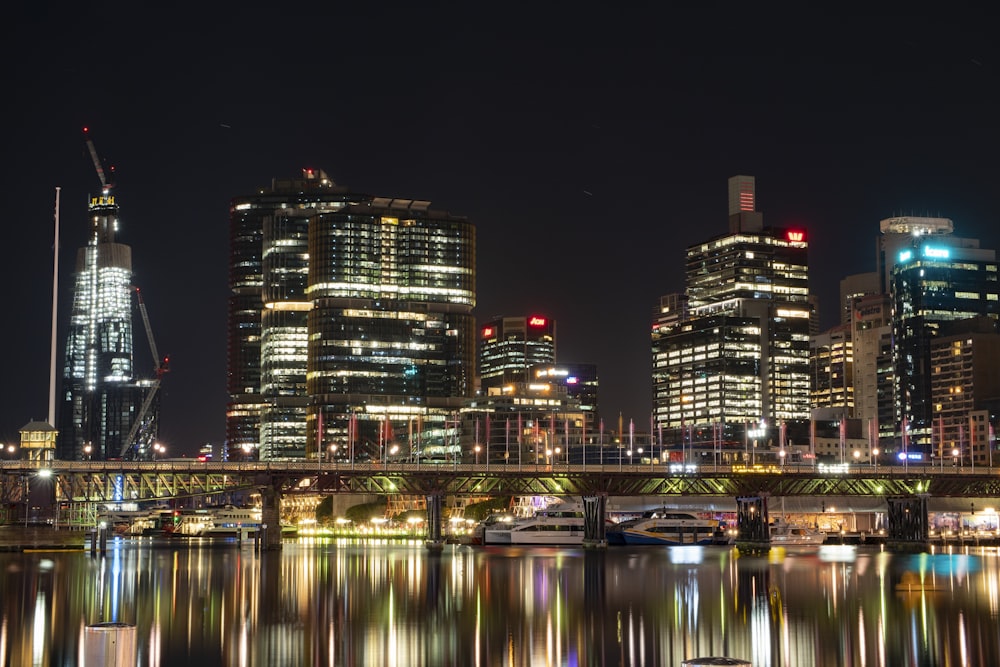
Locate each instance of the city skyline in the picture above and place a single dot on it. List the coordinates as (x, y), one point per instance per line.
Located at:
(588, 160)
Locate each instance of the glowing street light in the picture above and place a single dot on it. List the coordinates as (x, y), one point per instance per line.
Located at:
(477, 449)
(875, 458)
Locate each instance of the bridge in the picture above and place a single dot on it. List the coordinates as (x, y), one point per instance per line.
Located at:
(88, 483)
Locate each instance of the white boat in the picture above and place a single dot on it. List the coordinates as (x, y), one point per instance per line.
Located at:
(492, 520)
(666, 527)
(230, 521)
(559, 524)
(783, 533)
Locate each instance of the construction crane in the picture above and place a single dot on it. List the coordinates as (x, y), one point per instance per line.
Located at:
(105, 184)
(160, 366)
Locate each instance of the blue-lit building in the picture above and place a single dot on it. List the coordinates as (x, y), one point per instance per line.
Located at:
(934, 280)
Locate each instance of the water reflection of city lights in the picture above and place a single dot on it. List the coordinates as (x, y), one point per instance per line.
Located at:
(692, 554)
(838, 553)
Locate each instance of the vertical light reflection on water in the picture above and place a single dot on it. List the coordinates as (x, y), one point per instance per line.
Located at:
(760, 618)
(963, 635)
(862, 641)
(40, 632)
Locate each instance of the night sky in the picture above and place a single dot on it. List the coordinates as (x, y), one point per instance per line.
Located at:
(590, 143)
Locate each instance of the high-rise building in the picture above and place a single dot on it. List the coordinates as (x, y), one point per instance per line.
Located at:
(105, 410)
(896, 235)
(510, 346)
(740, 355)
(832, 362)
(268, 312)
(871, 337)
(934, 280)
(392, 335)
(350, 323)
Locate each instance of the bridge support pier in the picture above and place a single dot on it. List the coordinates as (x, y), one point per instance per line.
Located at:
(909, 527)
(435, 541)
(752, 523)
(270, 516)
(595, 511)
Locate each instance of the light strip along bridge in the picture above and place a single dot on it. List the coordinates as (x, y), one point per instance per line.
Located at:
(114, 481)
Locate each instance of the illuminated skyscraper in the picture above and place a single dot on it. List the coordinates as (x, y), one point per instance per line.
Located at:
(350, 322)
(935, 279)
(101, 397)
(510, 346)
(268, 308)
(739, 353)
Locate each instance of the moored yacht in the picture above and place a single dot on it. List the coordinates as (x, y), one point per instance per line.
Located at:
(783, 533)
(667, 527)
(559, 524)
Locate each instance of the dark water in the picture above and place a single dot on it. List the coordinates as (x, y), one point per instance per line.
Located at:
(396, 604)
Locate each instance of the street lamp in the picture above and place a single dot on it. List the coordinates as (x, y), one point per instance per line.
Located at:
(954, 457)
(781, 457)
(87, 450)
(333, 452)
(629, 452)
(857, 456)
(477, 450)
(158, 449)
(875, 458)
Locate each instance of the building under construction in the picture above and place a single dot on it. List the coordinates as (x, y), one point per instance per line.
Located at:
(106, 409)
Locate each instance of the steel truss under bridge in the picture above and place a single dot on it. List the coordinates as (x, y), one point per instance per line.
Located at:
(110, 481)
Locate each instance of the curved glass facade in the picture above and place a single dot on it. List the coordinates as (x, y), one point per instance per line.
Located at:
(350, 306)
(391, 330)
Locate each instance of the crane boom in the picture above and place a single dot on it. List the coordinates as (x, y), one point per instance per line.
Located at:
(160, 366)
(157, 362)
(97, 162)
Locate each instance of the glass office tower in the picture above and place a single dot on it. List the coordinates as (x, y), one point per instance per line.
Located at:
(935, 280)
(737, 355)
(268, 313)
(391, 358)
(510, 346)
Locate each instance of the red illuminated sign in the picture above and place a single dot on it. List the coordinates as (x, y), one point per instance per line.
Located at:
(536, 321)
(488, 332)
(796, 237)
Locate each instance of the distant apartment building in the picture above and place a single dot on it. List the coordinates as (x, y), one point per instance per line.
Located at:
(832, 363)
(965, 389)
(871, 341)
